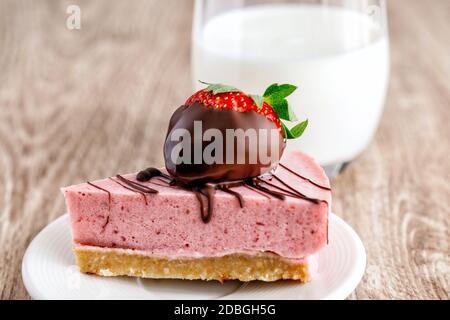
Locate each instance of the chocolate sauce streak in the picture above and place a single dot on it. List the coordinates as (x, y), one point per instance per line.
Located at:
(255, 183)
(205, 191)
(287, 193)
(100, 188)
(304, 178)
(128, 188)
(233, 193)
(109, 203)
(147, 174)
(136, 186)
(105, 224)
(297, 194)
(208, 192)
(257, 191)
(225, 187)
(203, 210)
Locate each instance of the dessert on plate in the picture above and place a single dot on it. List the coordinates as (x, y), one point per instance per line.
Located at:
(228, 204)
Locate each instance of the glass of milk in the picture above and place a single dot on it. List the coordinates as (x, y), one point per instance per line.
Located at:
(335, 51)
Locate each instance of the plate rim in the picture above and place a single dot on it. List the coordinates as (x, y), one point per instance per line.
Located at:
(351, 282)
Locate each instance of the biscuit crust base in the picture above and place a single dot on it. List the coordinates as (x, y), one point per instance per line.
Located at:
(121, 262)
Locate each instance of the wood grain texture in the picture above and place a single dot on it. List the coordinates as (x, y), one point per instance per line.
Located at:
(78, 105)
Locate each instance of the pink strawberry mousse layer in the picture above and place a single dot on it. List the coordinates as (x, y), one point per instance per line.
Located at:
(168, 224)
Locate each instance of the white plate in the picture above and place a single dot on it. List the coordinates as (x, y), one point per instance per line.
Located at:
(49, 272)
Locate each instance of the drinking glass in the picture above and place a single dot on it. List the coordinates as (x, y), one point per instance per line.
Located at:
(335, 51)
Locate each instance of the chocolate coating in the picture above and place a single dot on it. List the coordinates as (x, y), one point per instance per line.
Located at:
(211, 118)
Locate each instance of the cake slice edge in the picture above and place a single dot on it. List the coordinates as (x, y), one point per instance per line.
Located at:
(243, 267)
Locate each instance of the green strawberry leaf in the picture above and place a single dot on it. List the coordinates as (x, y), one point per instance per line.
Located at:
(281, 108)
(286, 131)
(296, 131)
(257, 99)
(277, 91)
(272, 88)
(275, 95)
(219, 88)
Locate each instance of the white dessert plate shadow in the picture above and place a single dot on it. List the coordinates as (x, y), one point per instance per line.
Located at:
(49, 272)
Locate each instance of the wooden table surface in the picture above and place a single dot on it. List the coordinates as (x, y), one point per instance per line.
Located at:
(78, 105)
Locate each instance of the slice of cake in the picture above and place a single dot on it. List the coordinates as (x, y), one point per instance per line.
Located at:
(214, 212)
(118, 230)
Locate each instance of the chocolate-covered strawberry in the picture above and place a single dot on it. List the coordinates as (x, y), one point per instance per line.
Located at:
(224, 134)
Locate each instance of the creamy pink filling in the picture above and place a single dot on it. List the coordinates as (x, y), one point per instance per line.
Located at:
(169, 224)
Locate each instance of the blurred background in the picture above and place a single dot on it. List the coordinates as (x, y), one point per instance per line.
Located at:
(89, 98)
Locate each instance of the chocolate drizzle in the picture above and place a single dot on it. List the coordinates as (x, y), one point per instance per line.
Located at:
(100, 188)
(255, 183)
(233, 193)
(286, 193)
(109, 203)
(208, 192)
(205, 191)
(136, 186)
(304, 178)
(295, 193)
(251, 187)
(147, 174)
(131, 189)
